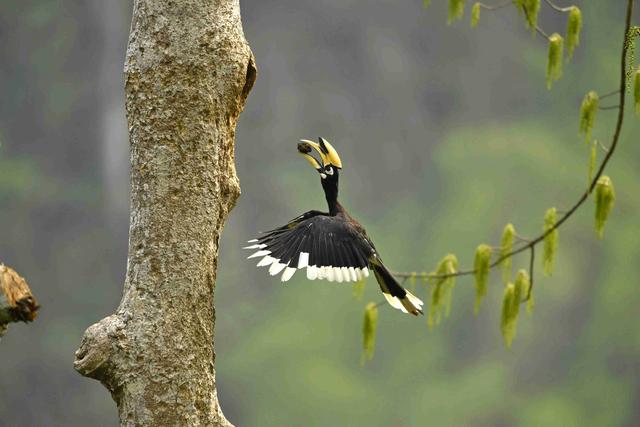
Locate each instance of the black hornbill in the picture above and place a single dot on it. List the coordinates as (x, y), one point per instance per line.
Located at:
(329, 245)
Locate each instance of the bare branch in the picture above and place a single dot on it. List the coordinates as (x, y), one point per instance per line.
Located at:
(496, 6)
(608, 94)
(558, 8)
(537, 27)
(602, 146)
(609, 107)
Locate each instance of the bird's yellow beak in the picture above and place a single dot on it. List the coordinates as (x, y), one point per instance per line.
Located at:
(328, 154)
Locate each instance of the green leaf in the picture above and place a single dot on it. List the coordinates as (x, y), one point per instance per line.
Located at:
(507, 322)
(574, 26)
(530, 304)
(554, 60)
(358, 289)
(522, 284)
(369, 329)
(456, 10)
(550, 241)
(605, 199)
(475, 15)
(413, 280)
(588, 111)
(514, 293)
(426, 3)
(481, 265)
(442, 289)
(506, 247)
(531, 9)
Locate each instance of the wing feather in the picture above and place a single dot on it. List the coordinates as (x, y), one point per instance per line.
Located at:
(336, 249)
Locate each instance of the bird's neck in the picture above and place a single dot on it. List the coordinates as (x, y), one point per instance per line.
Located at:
(331, 194)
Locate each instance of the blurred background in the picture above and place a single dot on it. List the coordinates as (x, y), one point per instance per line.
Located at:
(445, 133)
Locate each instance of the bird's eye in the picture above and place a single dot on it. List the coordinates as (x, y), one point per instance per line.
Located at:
(328, 170)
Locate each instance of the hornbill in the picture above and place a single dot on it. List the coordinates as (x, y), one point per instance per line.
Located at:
(329, 245)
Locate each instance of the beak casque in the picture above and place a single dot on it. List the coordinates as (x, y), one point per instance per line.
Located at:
(328, 154)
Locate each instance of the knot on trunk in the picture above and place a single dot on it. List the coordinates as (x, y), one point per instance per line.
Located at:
(250, 78)
(230, 191)
(102, 345)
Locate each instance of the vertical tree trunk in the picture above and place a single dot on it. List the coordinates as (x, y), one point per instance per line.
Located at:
(188, 72)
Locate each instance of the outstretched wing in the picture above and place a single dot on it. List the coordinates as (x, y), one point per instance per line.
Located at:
(328, 247)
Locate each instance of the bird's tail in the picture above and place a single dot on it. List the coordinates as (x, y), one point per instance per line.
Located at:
(397, 296)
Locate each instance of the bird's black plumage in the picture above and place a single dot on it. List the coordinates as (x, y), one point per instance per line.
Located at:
(328, 245)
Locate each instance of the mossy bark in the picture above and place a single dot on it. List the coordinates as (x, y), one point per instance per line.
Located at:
(188, 72)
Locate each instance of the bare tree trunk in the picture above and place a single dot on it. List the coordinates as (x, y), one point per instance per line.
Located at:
(188, 72)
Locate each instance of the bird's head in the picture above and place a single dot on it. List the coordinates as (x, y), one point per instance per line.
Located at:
(329, 162)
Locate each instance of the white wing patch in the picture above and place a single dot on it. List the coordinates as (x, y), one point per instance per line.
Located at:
(323, 272)
(256, 246)
(312, 272)
(276, 267)
(303, 260)
(259, 254)
(288, 273)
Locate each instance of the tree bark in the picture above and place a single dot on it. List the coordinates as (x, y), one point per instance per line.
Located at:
(17, 303)
(188, 72)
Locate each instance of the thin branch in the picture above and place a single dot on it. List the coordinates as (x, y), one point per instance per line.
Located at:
(602, 146)
(616, 137)
(538, 29)
(541, 32)
(496, 6)
(558, 8)
(608, 94)
(609, 107)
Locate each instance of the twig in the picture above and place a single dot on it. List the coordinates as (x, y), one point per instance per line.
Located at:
(496, 6)
(608, 94)
(537, 27)
(558, 8)
(602, 146)
(609, 107)
(616, 137)
(541, 32)
(521, 238)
